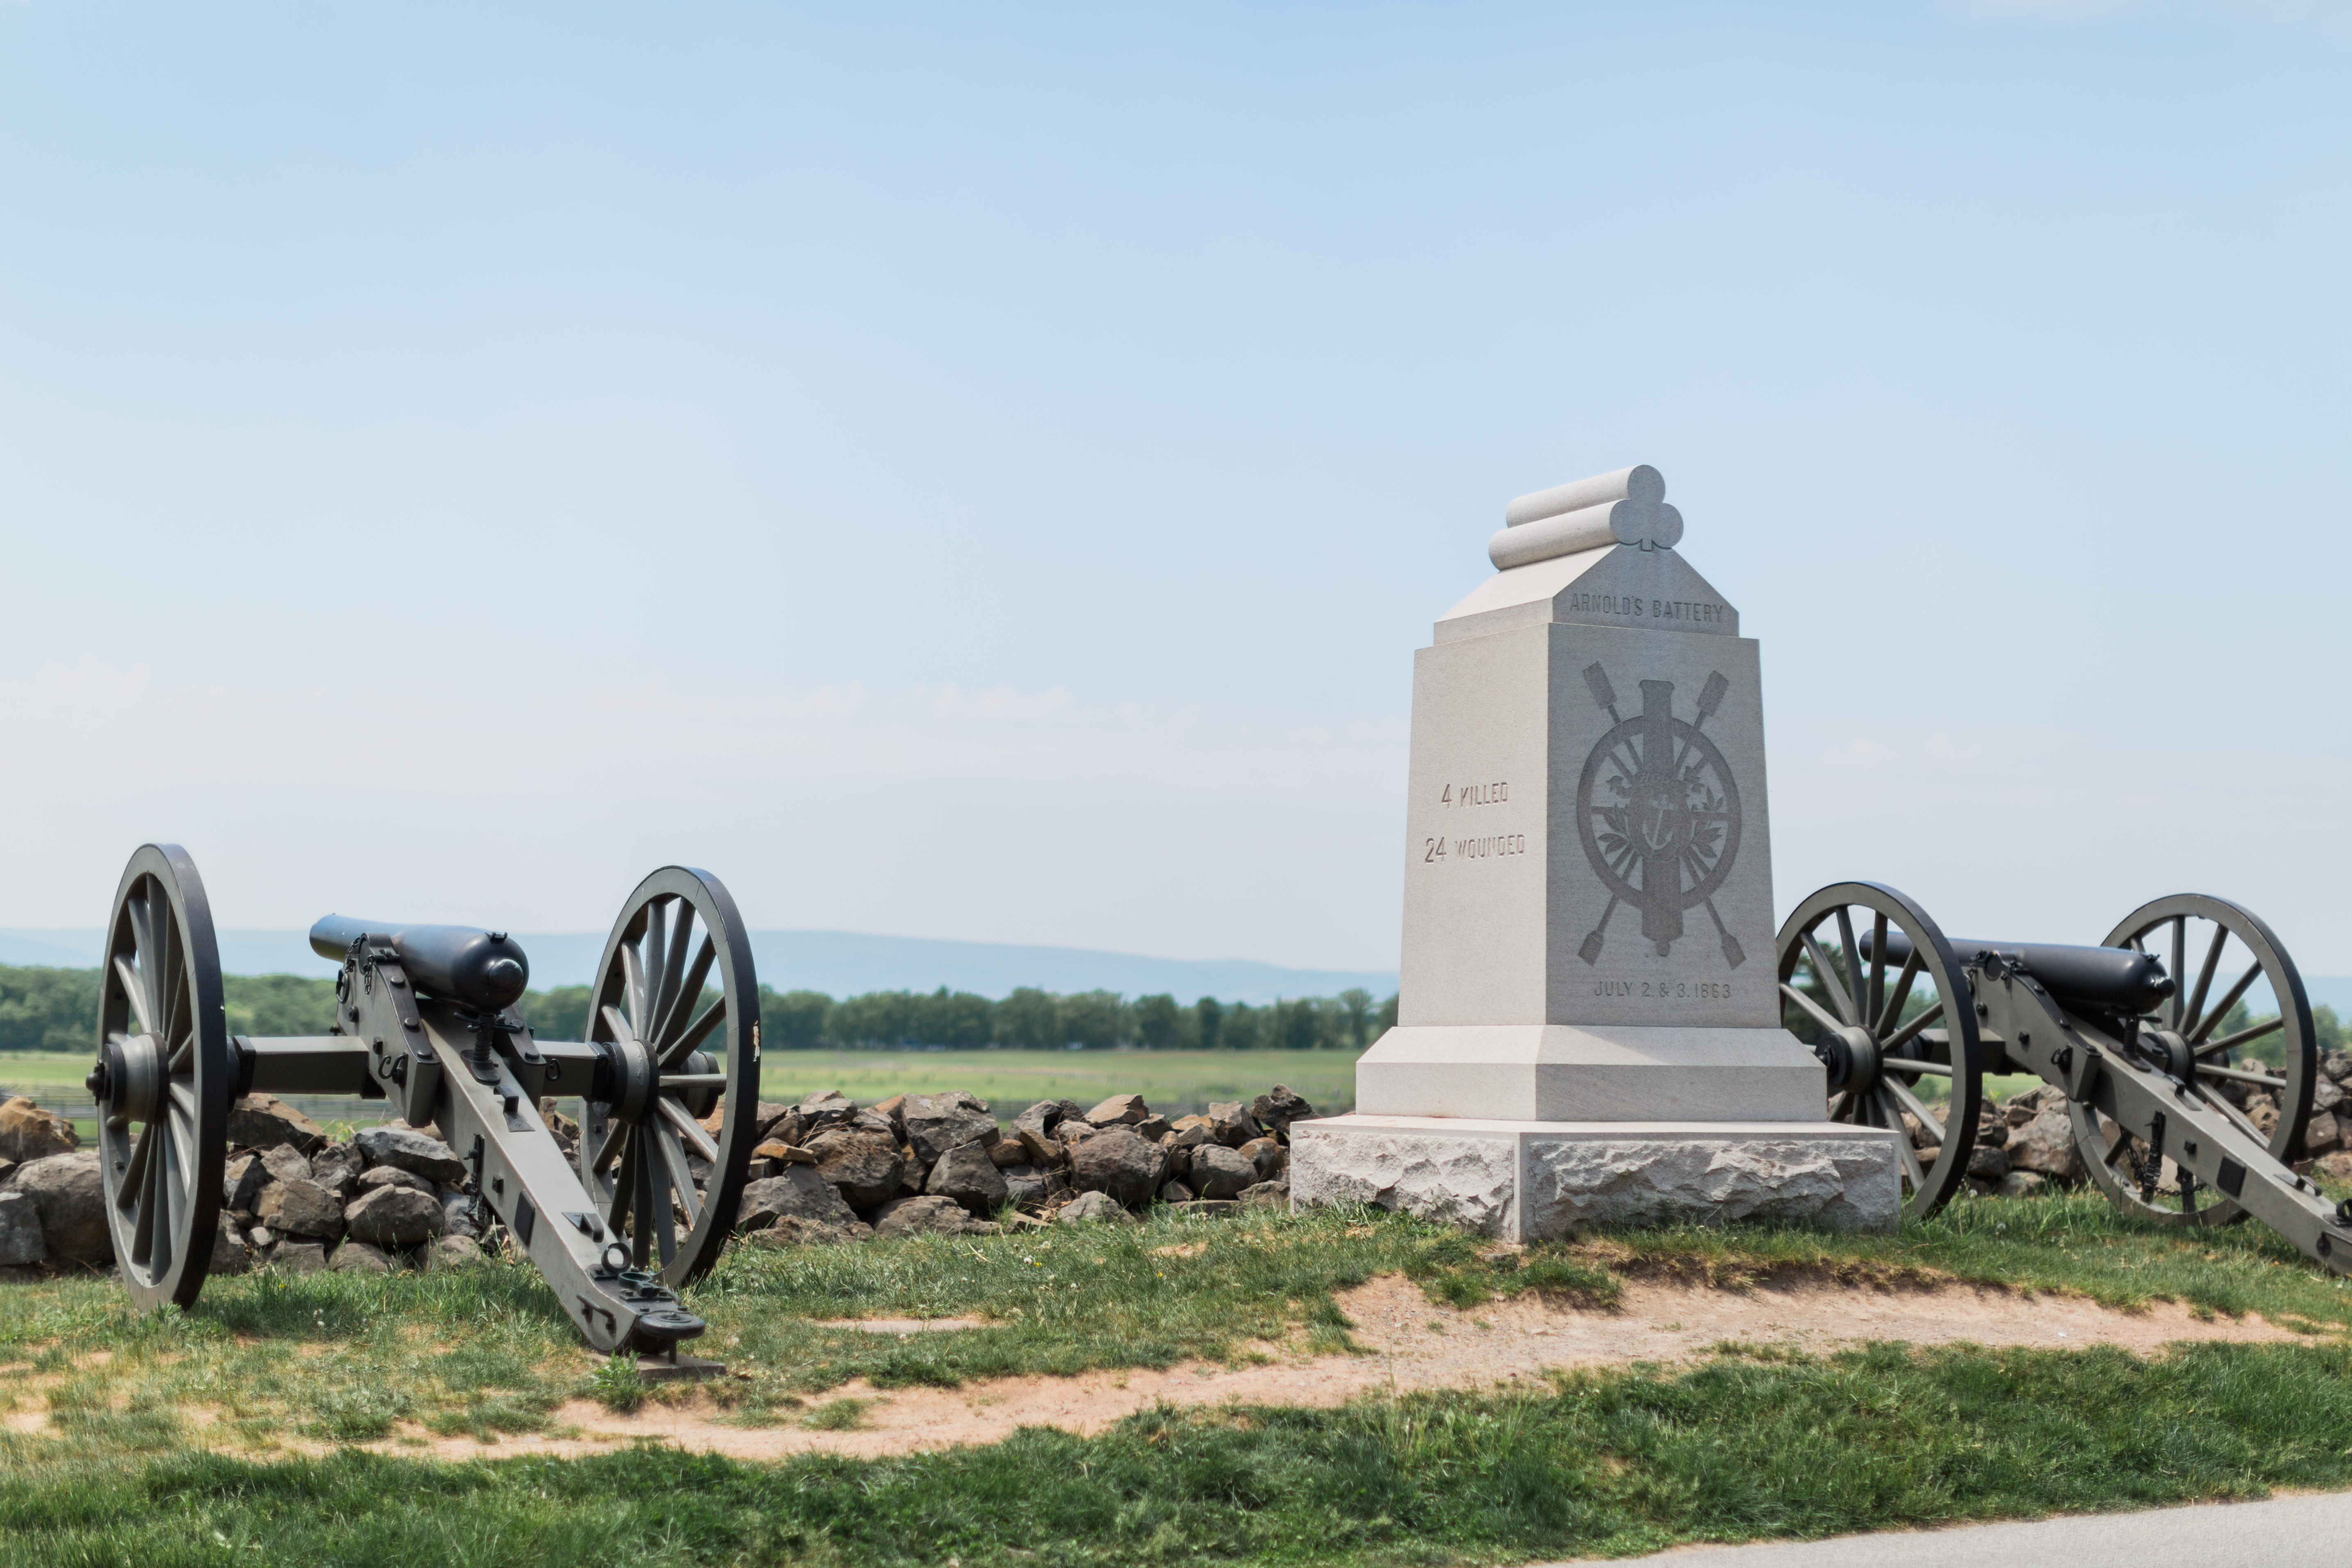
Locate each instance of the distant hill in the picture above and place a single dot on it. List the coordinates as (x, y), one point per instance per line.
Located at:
(839, 963)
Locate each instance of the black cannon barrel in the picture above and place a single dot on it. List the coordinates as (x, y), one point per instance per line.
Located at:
(484, 969)
(2119, 977)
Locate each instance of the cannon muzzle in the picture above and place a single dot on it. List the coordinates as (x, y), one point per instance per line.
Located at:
(481, 969)
(2119, 977)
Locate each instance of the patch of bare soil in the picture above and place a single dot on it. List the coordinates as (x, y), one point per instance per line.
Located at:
(1412, 1344)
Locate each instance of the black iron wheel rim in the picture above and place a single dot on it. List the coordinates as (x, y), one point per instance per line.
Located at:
(677, 933)
(160, 998)
(2190, 933)
(1872, 998)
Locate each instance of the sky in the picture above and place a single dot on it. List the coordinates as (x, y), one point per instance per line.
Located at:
(982, 471)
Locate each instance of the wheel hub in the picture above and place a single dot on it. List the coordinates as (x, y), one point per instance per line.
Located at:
(633, 1077)
(2172, 1051)
(128, 1079)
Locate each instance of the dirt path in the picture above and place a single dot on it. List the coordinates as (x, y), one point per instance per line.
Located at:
(1414, 1345)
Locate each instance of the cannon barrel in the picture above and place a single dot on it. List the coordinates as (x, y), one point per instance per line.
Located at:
(482, 969)
(2120, 977)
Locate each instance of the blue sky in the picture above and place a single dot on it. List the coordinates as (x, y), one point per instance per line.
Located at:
(982, 472)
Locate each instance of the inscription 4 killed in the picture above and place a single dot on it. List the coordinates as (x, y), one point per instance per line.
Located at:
(1442, 850)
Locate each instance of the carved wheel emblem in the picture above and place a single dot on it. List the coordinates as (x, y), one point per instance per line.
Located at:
(1659, 814)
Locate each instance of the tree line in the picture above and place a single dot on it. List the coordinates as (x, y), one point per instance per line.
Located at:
(57, 1010)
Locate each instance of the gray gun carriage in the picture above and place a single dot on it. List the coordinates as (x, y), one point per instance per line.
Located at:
(2157, 1075)
(424, 1018)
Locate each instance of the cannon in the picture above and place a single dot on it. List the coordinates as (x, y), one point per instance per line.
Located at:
(2152, 1064)
(669, 1078)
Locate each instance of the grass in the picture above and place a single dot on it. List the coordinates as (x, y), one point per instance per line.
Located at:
(1616, 1463)
(232, 1430)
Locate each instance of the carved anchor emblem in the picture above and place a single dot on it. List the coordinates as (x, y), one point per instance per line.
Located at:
(1659, 814)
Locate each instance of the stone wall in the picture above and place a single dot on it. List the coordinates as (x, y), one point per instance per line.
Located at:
(828, 1169)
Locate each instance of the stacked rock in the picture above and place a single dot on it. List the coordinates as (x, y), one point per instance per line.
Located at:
(829, 1169)
(290, 1198)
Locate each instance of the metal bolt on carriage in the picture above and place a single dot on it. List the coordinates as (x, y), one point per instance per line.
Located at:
(2154, 1066)
(424, 1018)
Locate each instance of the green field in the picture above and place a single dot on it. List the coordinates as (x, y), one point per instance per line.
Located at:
(1173, 1082)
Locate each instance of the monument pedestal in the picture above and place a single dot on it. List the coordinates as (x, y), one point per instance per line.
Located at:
(1589, 1018)
(1536, 1181)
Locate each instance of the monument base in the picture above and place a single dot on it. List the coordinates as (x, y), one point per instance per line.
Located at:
(1590, 1072)
(1533, 1181)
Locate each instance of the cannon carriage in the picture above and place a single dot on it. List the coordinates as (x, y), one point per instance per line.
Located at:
(667, 1074)
(2160, 1076)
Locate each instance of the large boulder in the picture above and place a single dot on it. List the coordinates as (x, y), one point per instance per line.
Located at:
(800, 1193)
(337, 1167)
(20, 1230)
(933, 1216)
(360, 1257)
(865, 1166)
(299, 1256)
(1270, 1155)
(1088, 1207)
(396, 1217)
(1266, 1195)
(70, 1197)
(1028, 1187)
(969, 1175)
(1220, 1172)
(936, 1123)
(1120, 1110)
(455, 1252)
(460, 1215)
(266, 1121)
(229, 1256)
(377, 1177)
(301, 1208)
(1115, 1161)
(2044, 1145)
(29, 1132)
(1231, 1123)
(410, 1149)
(1281, 1107)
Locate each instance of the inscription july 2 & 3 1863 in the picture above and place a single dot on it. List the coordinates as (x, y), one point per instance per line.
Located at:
(1442, 849)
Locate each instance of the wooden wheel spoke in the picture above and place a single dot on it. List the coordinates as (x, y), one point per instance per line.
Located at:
(615, 1140)
(2179, 967)
(1890, 1015)
(1877, 975)
(2238, 1075)
(616, 1021)
(134, 1174)
(1824, 972)
(632, 992)
(680, 1006)
(667, 973)
(1820, 1014)
(1916, 1107)
(681, 1178)
(1853, 956)
(688, 1127)
(134, 987)
(624, 1184)
(2195, 1009)
(687, 1044)
(1840, 1103)
(2231, 1042)
(1912, 1065)
(643, 1202)
(2221, 1009)
(1902, 1036)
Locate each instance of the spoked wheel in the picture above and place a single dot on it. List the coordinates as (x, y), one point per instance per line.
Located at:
(1889, 1017)
(162, 1081)
(673, 1055)
(2205, 1038)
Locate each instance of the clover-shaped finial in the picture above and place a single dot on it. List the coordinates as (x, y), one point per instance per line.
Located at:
(1627, 507)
